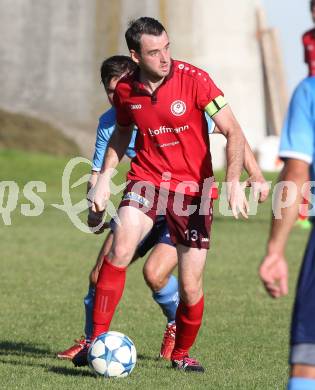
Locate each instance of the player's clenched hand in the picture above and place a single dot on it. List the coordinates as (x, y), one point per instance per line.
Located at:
(273, 272)
(260, 186)
(237, 198)
(95, 222)
(101, 193)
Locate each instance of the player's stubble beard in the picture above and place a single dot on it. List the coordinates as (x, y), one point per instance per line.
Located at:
(153, 75)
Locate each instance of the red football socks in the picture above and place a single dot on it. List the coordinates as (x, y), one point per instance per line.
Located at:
(188, 321)
(109, 289)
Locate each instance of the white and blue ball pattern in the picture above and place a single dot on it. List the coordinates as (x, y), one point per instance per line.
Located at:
(112, 355)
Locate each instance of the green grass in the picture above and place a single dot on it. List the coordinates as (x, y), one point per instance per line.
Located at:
(44, 275)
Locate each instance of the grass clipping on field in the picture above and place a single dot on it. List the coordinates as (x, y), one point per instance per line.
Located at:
(18, 131)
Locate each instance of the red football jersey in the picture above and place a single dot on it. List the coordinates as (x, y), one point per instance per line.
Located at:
(309, 50)
(172, 129)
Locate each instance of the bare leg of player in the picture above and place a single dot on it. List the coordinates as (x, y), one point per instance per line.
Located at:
(303, 371)
(159, 266)
(191, 262)
(69, 353)
(103, 252)
(158, 275)
(133, 227)
(106, 247)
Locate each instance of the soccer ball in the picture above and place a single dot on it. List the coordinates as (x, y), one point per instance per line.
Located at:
(112, 354)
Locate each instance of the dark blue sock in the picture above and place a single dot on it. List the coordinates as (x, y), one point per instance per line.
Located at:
(88, 304)
(168, 298)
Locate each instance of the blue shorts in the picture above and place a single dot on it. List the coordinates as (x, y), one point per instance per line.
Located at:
(303, 319)
(159, 234)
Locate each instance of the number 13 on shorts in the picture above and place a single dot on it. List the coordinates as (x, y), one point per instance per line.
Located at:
(191, 235)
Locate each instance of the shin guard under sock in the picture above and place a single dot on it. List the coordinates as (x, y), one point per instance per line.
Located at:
(188, 321)
(109, 289)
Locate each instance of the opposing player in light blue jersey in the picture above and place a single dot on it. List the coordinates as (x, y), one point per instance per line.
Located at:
(105, 130)
(297, 150)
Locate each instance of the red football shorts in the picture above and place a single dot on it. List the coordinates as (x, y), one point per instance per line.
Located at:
(189, 218)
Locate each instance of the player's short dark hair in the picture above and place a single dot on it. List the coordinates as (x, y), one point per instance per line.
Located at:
(312, 4)
(116, 66)
(138, 27)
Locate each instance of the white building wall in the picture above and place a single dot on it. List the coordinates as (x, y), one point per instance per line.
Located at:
(221, 38)
(50, 53)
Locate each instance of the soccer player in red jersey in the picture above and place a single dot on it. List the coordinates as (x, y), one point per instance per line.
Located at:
(309, 44)
(166, 100)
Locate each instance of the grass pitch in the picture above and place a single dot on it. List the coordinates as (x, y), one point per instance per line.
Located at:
(45, 262)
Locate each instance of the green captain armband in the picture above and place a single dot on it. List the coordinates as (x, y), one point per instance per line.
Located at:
(215, 105)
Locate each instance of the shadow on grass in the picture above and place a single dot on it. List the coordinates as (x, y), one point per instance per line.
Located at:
(54, 369)
(27, 350)
(24, 349)
(70, 371)
(147, 358)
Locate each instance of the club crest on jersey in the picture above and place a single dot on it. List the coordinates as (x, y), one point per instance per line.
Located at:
(178, 108)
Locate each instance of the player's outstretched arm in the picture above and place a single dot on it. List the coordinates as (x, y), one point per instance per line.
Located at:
(103, 135)
(92, 181)
(273, 270)
(117, 146)
(256, 178)
(235, 149)
(94, 218)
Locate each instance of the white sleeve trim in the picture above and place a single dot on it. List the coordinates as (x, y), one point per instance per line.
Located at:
(297, 155)
(96, 169)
